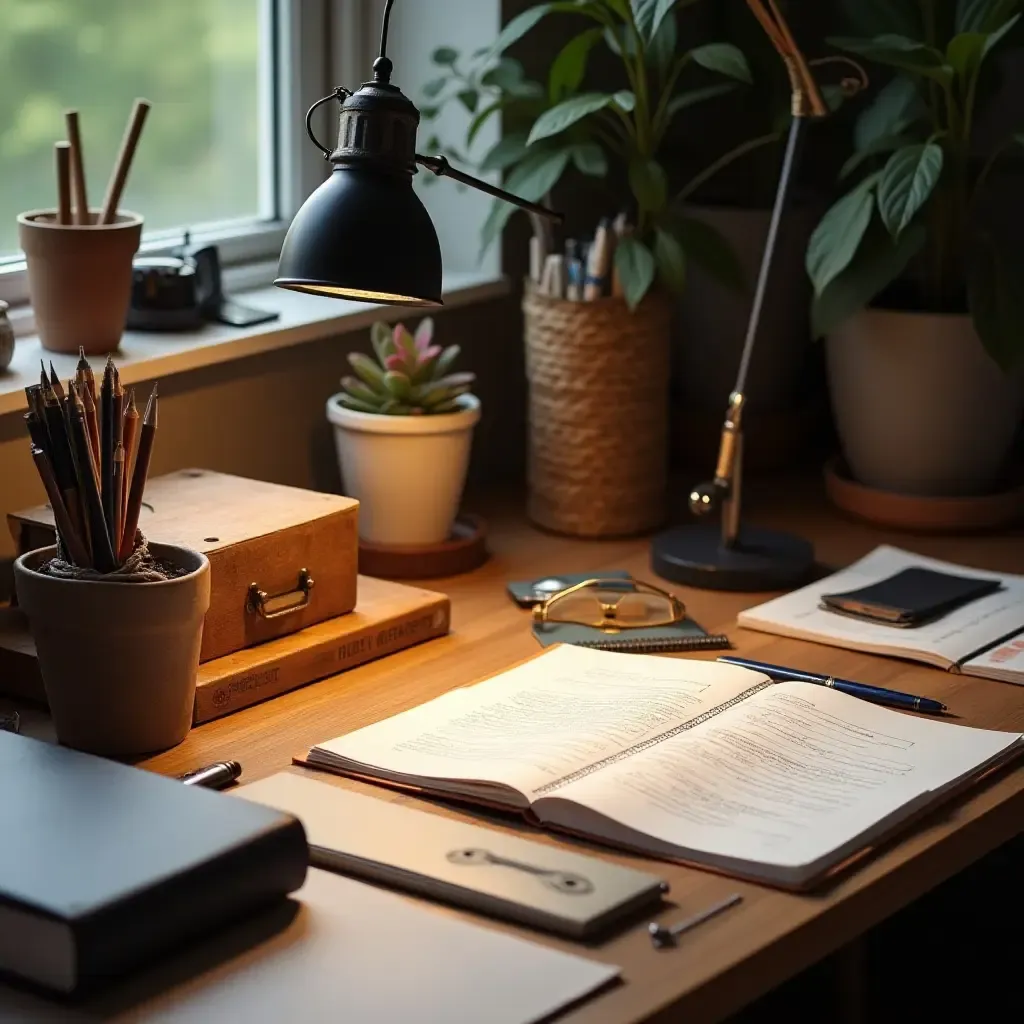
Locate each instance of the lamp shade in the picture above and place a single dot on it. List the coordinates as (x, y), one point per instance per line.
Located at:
(364, 234)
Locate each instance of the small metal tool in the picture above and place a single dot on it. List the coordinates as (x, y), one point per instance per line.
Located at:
(665, 935)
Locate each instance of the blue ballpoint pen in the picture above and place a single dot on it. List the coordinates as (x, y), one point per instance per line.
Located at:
(875, 694)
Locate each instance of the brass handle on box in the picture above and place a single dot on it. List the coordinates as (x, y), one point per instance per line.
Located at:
(273, 606)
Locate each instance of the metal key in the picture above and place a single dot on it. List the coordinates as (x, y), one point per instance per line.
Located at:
(560, 881)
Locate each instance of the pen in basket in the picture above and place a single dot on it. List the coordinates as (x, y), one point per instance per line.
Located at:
(585, 270)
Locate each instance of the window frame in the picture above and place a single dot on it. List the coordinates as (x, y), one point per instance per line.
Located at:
(311, 43)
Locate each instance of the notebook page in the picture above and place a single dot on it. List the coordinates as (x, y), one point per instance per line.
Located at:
(1004, 661)
(944, 642)
(544, 719)
(785, 777)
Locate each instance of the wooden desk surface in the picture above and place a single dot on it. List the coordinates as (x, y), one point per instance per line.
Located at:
(732, 959)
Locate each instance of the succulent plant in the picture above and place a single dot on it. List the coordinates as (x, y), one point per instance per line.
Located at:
(411, 376)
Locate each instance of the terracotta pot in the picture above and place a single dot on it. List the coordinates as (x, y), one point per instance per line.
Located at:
(79, 279)
(920, 407)
(407, 472)
(118, 660)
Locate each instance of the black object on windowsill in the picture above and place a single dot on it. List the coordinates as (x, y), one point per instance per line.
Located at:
(183, 291)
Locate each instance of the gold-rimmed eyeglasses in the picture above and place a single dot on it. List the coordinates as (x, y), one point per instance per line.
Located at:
(612, 605)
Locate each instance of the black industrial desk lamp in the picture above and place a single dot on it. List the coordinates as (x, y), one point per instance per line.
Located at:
(364, 234)
(731, 556)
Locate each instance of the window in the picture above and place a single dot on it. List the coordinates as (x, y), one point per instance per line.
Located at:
(417, 30)
(228, 81)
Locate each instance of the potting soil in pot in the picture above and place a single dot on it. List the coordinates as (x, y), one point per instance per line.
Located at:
(141, 566)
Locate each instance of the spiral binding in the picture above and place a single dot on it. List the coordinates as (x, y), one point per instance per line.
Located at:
(659, 645)
(651, 741)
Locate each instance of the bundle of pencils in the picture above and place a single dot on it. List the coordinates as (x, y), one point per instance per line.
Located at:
(72, 198)
(92, 451)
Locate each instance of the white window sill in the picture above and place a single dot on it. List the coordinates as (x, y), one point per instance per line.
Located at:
(144, 356)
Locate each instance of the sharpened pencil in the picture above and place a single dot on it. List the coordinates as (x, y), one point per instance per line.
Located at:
(92, 429)
(71, 542)
(85, 372)
(130, 438)
(107, 444)
(118, 496)
(102, 550)
(58, 388)
(139, 476)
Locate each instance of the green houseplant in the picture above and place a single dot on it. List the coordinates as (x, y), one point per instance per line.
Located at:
(403, 427)
(562, 123)
(921, 299)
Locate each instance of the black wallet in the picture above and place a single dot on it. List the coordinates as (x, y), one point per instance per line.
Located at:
(911, 597)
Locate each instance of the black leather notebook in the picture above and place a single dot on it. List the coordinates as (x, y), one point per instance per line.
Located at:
(911, 597)
(104, 866)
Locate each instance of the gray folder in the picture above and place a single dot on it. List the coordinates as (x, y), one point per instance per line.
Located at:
(540, 885)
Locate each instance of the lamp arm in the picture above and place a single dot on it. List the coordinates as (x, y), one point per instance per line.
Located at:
(439, 165)
(386, 21)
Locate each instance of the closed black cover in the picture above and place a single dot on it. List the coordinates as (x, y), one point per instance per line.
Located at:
(134, 863)
(910, 597)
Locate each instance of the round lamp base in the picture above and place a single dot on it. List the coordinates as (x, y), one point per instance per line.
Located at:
(762, 560)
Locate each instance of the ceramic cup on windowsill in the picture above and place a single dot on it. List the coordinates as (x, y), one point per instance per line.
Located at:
(79, 278)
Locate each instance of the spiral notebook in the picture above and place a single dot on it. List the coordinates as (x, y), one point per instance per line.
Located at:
(677, 758)
(679, 636)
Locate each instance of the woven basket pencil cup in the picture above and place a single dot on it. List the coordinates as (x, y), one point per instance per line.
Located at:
(598, 414)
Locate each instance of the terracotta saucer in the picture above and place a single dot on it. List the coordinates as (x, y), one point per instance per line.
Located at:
(465, 550)
(926, 514)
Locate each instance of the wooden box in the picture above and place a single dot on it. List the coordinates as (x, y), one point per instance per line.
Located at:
(259, 538)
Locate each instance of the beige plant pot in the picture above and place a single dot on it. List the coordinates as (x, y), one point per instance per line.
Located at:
(407, 472)
(79, 279)
(919, 405)
(118, 660)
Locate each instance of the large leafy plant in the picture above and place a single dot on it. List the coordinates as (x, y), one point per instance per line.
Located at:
(909, 224)
(550, 127)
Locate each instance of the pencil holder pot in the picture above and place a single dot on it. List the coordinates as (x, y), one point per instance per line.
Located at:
(79, 279)
(598, 414)
(118, 660)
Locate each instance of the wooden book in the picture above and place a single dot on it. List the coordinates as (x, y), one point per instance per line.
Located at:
(692, 761)
(388, 617)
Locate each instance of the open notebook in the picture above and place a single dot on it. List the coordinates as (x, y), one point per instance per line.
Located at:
(957, 640)
(686, 760)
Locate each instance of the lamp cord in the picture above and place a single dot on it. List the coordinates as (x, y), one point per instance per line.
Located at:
(384, 28)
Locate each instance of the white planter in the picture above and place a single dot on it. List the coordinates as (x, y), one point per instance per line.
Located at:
(407, 472)
(920, 407)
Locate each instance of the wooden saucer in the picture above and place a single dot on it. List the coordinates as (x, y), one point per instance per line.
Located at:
(924, 514)
(465, 550)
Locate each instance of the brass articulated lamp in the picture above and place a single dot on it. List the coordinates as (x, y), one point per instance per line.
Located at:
(733, 556)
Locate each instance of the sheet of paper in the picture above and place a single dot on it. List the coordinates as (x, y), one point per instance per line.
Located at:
(785, 776)
(944, 642)
(354, 954)
(546, 718)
